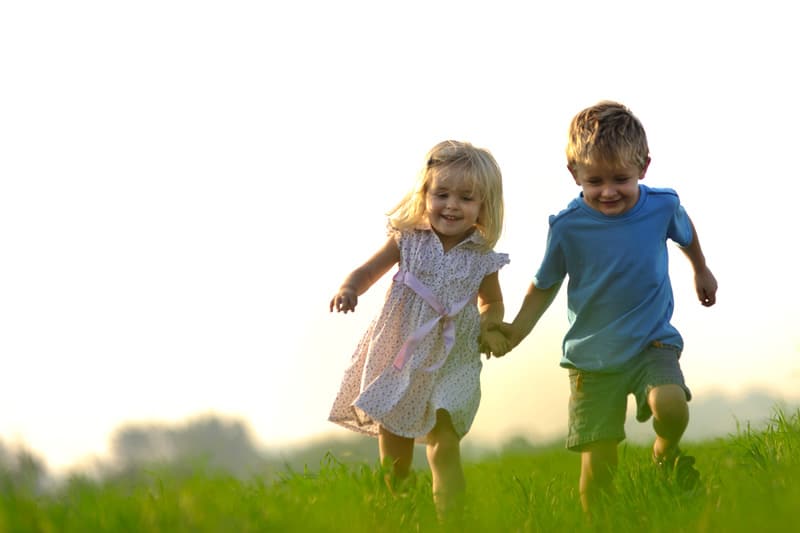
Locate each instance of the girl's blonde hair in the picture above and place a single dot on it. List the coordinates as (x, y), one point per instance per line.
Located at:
(607, 132)
(477, 166)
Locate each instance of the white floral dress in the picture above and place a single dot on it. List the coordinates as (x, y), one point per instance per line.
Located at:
(403, 393)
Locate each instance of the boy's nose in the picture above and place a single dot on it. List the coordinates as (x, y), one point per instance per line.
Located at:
(608, 192)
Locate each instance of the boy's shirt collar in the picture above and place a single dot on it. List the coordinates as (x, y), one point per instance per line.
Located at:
(643, 190)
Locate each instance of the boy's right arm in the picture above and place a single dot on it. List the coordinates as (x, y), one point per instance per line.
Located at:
(533, 307)
(704, 281)
(365, 276)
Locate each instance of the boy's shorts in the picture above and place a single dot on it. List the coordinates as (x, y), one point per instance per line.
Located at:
(598, 401)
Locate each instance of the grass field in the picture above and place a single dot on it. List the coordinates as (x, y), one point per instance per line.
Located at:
(750, 482)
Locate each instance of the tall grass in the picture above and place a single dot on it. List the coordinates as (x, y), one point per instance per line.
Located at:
(750, 483)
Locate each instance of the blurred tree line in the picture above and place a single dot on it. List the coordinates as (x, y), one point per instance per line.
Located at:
(206, 442)
(226, 444)
(209, 443)
(22, 468)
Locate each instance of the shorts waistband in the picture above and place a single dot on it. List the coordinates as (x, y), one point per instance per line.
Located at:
(659, 344)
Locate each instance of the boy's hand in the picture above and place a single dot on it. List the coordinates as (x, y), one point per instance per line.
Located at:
(706, 286)
(509, 333)
(493, 342)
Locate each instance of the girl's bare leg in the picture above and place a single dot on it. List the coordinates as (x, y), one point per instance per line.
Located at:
(444, 457)
(397, 451)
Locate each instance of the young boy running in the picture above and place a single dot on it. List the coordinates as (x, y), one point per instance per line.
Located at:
(611, 242)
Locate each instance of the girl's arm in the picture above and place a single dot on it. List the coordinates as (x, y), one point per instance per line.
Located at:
(705, 283)
(365, 276)
(490, 300)
(492, 310)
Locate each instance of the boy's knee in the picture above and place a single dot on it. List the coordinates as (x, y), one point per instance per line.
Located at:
(668, 403)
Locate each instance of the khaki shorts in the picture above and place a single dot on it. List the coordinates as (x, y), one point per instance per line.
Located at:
(598, 401)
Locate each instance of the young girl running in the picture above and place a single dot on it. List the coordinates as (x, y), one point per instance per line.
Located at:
(415, 372)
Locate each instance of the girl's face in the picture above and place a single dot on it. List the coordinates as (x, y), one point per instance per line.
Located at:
(452, 205)
(610, 189)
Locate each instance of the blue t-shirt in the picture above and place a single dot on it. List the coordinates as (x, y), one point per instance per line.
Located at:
(619, 294)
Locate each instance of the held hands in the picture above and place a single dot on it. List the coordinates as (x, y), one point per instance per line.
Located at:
(493, 343)
(706, 286)
(496, 339)
(345, 300)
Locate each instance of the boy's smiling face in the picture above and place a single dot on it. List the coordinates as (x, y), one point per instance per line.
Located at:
(611, 189)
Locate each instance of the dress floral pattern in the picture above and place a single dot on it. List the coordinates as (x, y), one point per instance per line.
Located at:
(374, 392)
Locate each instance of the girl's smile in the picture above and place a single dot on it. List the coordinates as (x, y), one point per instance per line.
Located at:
(453, 206)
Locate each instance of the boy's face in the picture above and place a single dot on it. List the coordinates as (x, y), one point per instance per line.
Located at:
(611, 189)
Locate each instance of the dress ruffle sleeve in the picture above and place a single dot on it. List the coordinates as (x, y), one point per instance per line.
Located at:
(495, 261)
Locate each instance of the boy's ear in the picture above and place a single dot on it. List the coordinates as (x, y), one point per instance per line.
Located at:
(644, 170)
(574, 176)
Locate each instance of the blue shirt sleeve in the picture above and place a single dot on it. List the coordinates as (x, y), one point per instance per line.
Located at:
(680, 227)
(553, 268)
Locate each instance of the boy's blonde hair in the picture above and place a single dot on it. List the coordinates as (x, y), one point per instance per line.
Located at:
(477, 166)
(607, 132)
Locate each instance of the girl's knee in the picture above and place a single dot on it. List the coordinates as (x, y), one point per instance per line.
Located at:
(396, 450)
(443, 441)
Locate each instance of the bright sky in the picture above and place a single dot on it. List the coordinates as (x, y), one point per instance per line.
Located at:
(183, 186)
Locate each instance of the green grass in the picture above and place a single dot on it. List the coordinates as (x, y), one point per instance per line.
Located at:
(750, 483)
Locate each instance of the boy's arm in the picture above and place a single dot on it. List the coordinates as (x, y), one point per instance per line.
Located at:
(705, 283)
(365, 276)
(533, 307)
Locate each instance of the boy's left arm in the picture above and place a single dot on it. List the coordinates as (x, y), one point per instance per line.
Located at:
(492, 310)
(705, 283)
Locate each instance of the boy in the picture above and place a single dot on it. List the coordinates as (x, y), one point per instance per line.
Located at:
(611, 242)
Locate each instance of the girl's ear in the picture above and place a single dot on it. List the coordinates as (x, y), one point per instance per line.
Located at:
(644, 170)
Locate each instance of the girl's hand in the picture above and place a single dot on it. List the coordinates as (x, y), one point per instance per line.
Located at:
(345, 300)
(493, 343)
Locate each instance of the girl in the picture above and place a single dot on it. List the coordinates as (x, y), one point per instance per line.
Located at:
(415, 373)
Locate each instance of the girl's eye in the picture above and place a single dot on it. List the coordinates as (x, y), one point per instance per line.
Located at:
(467, 198)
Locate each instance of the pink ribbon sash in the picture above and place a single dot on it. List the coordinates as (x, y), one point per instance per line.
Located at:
(444, 314)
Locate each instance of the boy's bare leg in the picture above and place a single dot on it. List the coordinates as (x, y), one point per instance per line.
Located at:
(670, 418)
(399, 451)
(444, 457)
(598, 464)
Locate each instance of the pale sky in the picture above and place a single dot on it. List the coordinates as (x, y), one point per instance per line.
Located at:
(183, 186)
